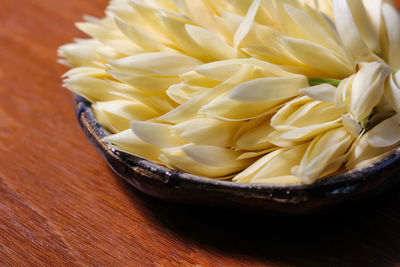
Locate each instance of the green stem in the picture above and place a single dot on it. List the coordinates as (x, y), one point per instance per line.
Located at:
(317, 81)
(394, 71)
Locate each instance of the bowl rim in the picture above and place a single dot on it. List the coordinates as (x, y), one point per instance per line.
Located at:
(339, 184)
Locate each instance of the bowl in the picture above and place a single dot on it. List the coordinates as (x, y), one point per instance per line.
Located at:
(161, 182)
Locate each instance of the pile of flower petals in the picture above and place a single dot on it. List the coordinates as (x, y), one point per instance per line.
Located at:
(256, 91)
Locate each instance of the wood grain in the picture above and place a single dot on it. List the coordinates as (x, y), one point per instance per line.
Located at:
(61, 205)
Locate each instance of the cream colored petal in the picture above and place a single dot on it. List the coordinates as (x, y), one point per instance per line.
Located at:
(109, 53)
(131, 93)
(392, 22)
(190, 109)
(381, 112)
(147, 41)
(166, 4)
(385, 134)
(363, 154)
(365, 25)
(343, 91)
(148, 15)
(156, 134)
(323, 15)
(81, 54)
(353, 26)
(392, 91)
(225, 69)
(153, 85)
(303, 118)
(125, 13)
(226, 108)
(283, 20)
(276, 139)
(128, 142)
(230, 22)
(207, 131)
(193, 78)
(367, 89)
(208, 161)
(317, 56)
(274, 165)
(164, 103)
(99, 32)
(279, 120)
(272, 55)
(256, 137)
(123, 47)
(215, 156)
(157, 63)
(374, 11)
(220, 70)
(181, 92)
(247, 175)
(200, 11)
(351, 125)
(305, 133)
(269, 89)
(117, 114)
(176, 31)
(324, 155)
(246, 24)
(93, 72)
(257, 154)
(92, 89)
(215, 47)
(314, 31)
(323, 92)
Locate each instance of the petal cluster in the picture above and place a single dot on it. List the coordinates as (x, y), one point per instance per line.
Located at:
(255, 91)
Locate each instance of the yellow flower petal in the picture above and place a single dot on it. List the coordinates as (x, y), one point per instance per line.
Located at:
(207, 131)
(128, 142)
(273, 165)
(269, 89)
(117, 114)
(156, 134)
(324, 155)
(208, 161)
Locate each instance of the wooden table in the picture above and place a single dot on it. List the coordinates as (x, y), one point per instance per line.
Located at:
(60, 204)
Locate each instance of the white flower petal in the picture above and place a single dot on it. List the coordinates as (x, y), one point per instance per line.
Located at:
(323, 92)
(128, 142)
(276, 164)
(208, 161)
(246, 24)
(117, 114)
(385, 134)
(367, 89)
(353, 29)
(392, 91)
(324, 155)
(157, 134)
(207, 131)
(216, 48)
(392, 22)
(269, 89)
(157, 63)
(318, 57)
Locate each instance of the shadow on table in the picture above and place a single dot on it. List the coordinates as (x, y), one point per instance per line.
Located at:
(364, 235)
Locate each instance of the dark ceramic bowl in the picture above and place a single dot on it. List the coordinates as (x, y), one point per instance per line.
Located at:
(175, 186)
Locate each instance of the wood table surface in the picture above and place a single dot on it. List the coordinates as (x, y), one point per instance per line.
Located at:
(60, 204)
